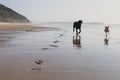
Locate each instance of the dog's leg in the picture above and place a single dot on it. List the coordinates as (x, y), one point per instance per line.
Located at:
(76, 31)
(80, 30)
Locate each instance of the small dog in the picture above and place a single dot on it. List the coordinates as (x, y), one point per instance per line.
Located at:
(106, 29)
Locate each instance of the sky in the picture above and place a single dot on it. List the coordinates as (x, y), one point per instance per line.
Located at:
(106, 11)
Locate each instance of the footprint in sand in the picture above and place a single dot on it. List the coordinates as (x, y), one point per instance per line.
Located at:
(36, 68)
(44, 48)
(53, 46)
(56, 41)
(38, 63)
(28, 29)
(61, 35)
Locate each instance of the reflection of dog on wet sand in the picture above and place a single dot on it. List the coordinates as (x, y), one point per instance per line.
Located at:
(77, 40)
(106, 40)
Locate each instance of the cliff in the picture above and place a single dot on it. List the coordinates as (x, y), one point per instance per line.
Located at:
(9, 15)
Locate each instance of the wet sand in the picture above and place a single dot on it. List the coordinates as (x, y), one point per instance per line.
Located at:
(60, 54)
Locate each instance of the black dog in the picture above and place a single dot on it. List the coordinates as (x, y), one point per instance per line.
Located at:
(77, 25)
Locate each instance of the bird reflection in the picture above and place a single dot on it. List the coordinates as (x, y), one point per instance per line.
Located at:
(77, 41)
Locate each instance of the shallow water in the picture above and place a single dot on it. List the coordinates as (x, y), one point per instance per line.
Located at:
(64, 56)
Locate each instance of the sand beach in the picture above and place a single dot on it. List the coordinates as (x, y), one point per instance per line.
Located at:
(52, 51)
(22, 26)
